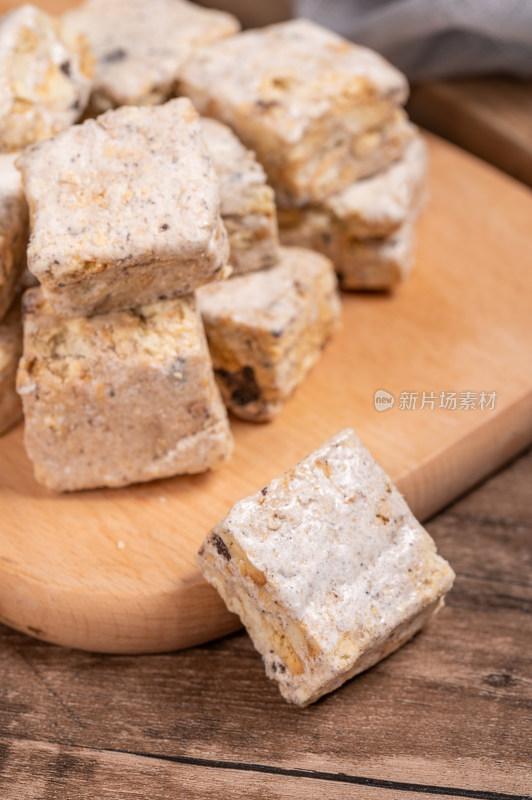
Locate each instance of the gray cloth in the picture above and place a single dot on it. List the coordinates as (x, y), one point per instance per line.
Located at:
(430, 39)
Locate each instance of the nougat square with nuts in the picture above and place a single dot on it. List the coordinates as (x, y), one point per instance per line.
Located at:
(46, 73)
(319, 111)
(247, 202)
(140, 45)
(125, 210)
(267, 329)
(119, 398)
(327, 568)
(368, 229)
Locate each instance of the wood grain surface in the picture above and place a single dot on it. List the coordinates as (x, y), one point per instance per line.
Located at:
(52, 6)
(114, 571)
(450, 714)
(490, 117)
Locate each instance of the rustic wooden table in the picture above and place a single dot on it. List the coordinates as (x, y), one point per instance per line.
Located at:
(490, 117)
(450, 714)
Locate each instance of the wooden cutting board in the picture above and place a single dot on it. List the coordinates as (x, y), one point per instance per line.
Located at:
(114, 570)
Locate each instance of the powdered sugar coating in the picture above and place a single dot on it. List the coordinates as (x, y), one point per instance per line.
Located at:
(125, 209)
(368, 230)
(270, 299)
(327, 534)
(299, 68)
(327, 567)
(314, 106)
(376, 206)
(45, 77)
(267, 329)
(376, 264)
(247, 202)
(140, 45)
(118, 398)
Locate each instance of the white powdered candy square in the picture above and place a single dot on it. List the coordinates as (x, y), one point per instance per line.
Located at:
(247, 202)
(119, 398)
(140, 45)
(125, 210)
(327, 568)
(368, 229)
(267, 329)
(45, 77)
(319, 111)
